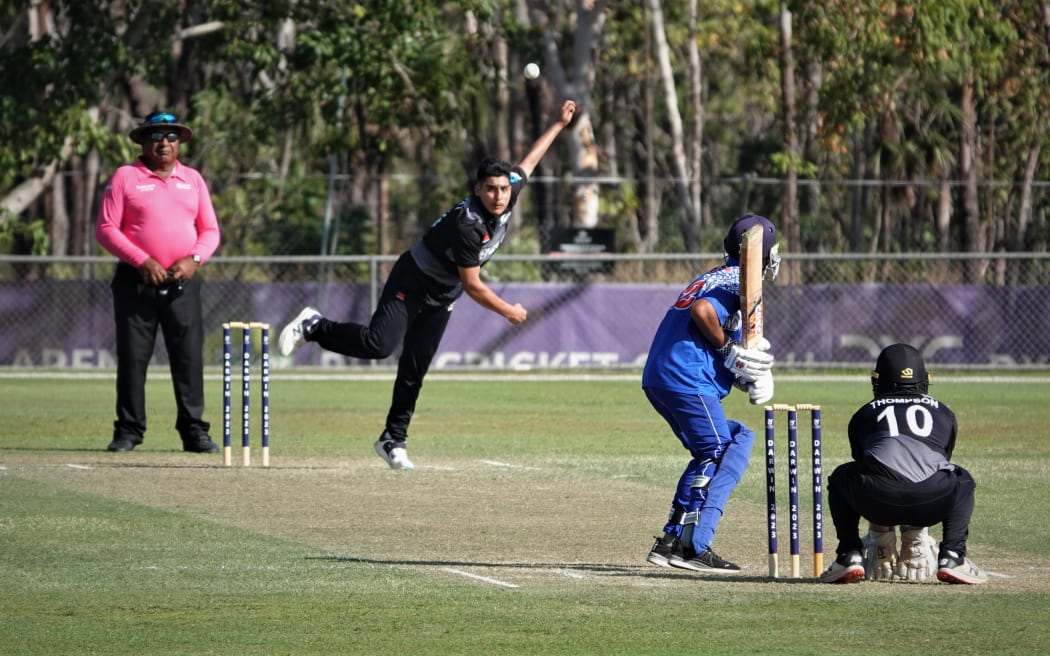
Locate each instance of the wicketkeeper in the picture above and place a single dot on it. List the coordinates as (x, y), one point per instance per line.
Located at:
(901, 442)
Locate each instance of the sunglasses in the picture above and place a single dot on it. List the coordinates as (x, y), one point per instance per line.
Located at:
(163, 117)
(173, 137)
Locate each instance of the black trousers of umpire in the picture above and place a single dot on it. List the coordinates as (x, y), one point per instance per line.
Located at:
(946, 498)
(139, 309)
(413, 311)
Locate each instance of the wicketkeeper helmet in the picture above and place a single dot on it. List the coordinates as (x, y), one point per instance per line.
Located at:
(899, 369)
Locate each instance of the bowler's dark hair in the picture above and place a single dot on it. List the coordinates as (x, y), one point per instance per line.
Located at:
(491, 167)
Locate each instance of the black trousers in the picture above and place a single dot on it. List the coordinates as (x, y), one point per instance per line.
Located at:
(139, 310)
(413, 311)
(946, 498)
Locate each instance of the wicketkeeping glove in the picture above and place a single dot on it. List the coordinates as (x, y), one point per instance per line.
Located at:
(918, 556)
(749, 364)
(881, 558)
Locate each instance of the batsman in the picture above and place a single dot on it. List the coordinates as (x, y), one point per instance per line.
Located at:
(695, 360)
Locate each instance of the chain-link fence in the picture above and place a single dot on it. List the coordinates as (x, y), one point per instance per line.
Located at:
(584, 311)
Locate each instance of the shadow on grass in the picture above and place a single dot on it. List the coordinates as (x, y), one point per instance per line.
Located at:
(208, 460)
(602, 569)
(100, 450)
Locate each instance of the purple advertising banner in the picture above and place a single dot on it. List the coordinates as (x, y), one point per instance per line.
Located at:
(67, 324)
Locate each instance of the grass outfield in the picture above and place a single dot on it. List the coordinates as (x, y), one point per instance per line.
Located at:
(523, 529)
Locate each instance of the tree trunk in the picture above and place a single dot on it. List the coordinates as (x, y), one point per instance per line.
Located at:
(576, 83)
(23, 195)
(651, 212)
(85, 222)
(811, 204)
(584, 153)
(679, 162)
(789, 226)
(60, 230)
(1044, 12)
(696, 88)
(974, 239)
(1019, 239)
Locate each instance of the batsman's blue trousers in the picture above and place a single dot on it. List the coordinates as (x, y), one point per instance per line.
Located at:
(720, 450)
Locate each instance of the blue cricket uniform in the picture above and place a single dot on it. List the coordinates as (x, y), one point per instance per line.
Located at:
(685, 380)
(680, 358)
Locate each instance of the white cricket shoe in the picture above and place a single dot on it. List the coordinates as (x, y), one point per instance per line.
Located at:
(953, 568)
(293, 335)
(847, 568)
(393, 452)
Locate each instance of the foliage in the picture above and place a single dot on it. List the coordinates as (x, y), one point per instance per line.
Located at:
(24, 236)
(284, 94)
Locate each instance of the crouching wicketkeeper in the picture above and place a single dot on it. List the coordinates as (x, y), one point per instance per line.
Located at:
(901, 442)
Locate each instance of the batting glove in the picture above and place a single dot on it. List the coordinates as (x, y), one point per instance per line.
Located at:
(881, 555)
(749, 364)
(918, 556)
(760, 390)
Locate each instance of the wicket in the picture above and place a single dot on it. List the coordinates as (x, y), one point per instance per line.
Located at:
(793, 502)
(246, 376)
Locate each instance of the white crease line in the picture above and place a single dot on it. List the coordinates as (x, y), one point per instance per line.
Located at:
(79, 467)
(496, 463)
(480, 578)
(569, 573)
(998, 575)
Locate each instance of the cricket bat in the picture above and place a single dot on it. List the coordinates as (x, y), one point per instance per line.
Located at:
(751, 286)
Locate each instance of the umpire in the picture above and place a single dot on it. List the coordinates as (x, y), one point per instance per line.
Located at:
(901, 442)
(157, 217)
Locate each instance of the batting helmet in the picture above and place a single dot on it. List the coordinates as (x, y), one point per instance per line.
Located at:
(770, 247)
(899, 370)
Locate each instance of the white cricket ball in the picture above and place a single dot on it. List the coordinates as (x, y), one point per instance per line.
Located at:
(532, 71)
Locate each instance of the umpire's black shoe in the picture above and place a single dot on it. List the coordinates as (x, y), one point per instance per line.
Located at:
(123, 443)
(199, 444)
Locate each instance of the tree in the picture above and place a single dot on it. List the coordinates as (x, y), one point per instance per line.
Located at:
(687, 171)
(347, 126)
(789, 208)
(569, 61)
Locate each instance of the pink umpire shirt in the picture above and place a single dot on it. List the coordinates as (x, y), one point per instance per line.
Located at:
(144, 215)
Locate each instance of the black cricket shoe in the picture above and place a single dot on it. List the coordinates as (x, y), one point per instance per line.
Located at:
(707, 561)
(662, 550)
